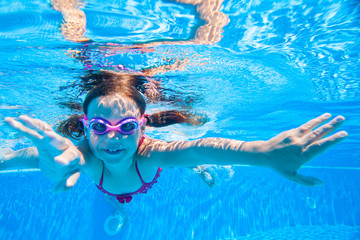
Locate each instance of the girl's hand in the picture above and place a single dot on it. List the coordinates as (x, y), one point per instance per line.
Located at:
(59, 159)
(291, 149)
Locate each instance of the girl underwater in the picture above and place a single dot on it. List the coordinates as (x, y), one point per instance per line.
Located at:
(115, 149)
(123, 162)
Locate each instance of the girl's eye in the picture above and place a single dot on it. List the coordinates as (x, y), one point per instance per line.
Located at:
(99, 127)
(128, 127)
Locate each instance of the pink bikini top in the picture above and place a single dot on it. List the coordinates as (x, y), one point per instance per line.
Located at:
(122, 198)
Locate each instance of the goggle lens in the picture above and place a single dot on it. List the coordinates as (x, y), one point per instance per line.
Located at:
(98, 127)
(129, 127)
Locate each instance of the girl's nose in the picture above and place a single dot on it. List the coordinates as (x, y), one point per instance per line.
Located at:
(115, 135)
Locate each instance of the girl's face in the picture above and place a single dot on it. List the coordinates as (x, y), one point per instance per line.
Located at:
(113, 147)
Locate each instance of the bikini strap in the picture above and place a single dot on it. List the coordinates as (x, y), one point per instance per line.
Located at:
(138, 172)
(102, 175)
(136, 166)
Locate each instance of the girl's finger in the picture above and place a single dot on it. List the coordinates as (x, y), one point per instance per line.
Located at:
(306, 180)
(67, 183)
(46, 131)
(301, 179)
(57, 141)
(71, 181)
(321, 145)
(70, 158)
(36, 124)
(323, 130)
(313, 123)
(20, 128)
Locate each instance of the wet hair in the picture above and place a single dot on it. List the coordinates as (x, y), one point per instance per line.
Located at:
(124, 84)
(140, 82)
(151, 87)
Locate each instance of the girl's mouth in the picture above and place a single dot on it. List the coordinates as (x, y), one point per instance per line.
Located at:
(113, 151)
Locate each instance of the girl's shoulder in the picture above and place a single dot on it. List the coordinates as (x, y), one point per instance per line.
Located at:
(148, 152)
(151, 145)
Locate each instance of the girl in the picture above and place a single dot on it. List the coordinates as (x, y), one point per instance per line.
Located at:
(123, 162)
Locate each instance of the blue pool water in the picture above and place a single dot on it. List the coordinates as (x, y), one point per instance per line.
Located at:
(279, 64)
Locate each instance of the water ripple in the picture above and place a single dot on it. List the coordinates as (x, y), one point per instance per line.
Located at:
(27, 26)
(134, 21)
(321, 39)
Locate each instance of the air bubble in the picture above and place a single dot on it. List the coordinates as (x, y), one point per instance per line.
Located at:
(311, 202)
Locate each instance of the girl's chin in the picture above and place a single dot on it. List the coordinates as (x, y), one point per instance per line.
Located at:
(113, 157)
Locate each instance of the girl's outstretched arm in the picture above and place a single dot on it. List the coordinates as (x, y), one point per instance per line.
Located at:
(285, 153)
(27, 158)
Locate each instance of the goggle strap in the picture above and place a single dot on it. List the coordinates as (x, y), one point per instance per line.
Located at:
(85, 121)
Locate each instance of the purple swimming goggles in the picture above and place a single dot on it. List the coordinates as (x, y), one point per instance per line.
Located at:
(101, 126)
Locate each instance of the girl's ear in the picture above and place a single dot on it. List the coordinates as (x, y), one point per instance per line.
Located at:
(142, 128)
(82, 127)
(86, 133)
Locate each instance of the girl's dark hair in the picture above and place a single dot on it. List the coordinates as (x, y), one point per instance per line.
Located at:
(123, 84)
(147, 86)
